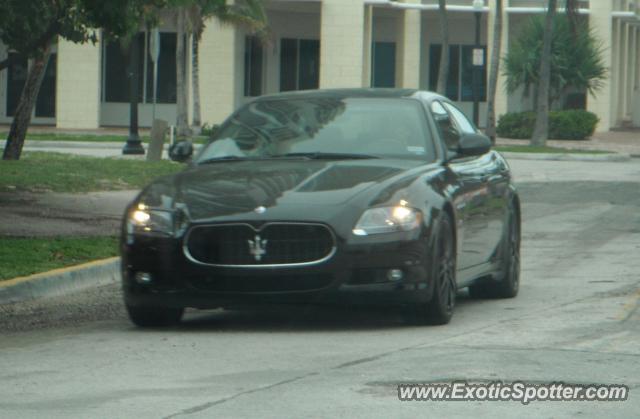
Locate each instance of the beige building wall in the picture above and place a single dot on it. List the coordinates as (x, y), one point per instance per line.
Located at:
(341, 44)
(409, 47)
(219, 71)
(78, 85)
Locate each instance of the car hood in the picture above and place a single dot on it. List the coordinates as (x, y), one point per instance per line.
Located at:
(227, 189)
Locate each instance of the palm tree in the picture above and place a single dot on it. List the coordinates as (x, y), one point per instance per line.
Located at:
(490, 129)
(541, 129)
(182, 123)
(190, 20)
(443, 69)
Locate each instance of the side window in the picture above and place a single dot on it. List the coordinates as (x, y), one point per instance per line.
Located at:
(448, 131)
(460, 119)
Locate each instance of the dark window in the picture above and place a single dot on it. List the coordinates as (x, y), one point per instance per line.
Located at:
(166, 70)
(116, 73)
(466, 78)
(253, 63)
(117, 70)
(460, 79)
(384, 64)
(299, 64)
(46, 101)
(16, 78)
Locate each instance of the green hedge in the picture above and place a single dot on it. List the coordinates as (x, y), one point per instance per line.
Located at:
(572, 124)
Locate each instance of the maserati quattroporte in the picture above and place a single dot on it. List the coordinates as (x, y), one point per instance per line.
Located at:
(357, 197)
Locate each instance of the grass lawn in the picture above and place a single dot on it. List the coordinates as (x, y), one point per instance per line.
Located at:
(41, 171)
(91, 138)
(546, 149)
(26, 256)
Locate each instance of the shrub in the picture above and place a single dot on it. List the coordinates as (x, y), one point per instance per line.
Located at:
(563, 125)
(209, 130)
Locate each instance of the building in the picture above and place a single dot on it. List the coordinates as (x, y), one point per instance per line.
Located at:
(320, 44)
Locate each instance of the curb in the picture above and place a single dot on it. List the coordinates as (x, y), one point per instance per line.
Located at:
(60, 281)
(612, 157)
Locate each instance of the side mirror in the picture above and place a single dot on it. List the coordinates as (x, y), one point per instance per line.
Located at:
(474, 145)
(181, 151)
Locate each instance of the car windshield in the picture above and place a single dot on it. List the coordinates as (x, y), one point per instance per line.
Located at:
(323, 128)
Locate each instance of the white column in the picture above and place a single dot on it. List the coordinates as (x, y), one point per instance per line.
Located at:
(78, 85)
(603, 103)
(631, 70)
(501, 90)
(218, 72)
(341, 44)
(367, 45)
(624, 69)
(409, 48)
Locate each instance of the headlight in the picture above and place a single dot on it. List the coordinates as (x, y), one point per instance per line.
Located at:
(387, 220)
(146, 220)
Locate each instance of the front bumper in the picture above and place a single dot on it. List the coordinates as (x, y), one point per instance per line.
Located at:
(355, 275)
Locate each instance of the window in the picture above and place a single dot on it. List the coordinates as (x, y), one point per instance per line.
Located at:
(116, 74)
(16, 78)
(460, 119)
(448, 131)
(253, 62)
(383, 72)
(167, 84)
(460, 79)
(46, 101)
(299, 64)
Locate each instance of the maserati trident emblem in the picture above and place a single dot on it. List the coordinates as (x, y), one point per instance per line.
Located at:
(257, 247)
(260, 210)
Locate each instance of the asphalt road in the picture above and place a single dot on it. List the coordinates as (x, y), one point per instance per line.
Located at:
(576, 321)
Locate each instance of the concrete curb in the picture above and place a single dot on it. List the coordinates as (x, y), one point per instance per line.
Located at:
(60, 281)
(611, 157)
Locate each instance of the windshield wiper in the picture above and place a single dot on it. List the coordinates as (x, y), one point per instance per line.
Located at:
(228, 159)
(318, 155)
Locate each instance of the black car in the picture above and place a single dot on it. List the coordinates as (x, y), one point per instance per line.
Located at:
(379, 197)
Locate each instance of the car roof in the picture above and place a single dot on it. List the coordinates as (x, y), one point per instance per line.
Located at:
(353, 93)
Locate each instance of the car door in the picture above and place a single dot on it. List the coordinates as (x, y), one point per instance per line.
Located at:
(467, 197)
(488, 181)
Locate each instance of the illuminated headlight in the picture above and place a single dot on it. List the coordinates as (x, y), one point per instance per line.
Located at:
(387, 220)
(146, 220)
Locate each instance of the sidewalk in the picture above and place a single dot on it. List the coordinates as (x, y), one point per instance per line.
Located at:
(619, 141)
(626, 142)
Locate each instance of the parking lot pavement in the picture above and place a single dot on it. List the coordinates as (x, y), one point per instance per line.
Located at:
(577, 320)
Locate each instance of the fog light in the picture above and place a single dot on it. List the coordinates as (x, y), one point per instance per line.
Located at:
(143, 278)
(395, 274)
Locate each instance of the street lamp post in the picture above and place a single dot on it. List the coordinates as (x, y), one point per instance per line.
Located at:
(133, 145)
(478, 61)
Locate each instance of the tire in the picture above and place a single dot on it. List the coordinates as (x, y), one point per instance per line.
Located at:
(154, 316)
(439, 309)
(507, 284)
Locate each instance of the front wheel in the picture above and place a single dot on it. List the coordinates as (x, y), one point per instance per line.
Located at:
(154, 316)
(439, 309)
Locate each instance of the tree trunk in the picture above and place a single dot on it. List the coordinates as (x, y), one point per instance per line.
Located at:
(195, 80)
(541, 130)
(490, 129)
(22, 117)
(182, 123)
(443, 70)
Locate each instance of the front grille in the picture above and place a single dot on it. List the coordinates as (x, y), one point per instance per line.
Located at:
(269, 283)
(272, 244)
